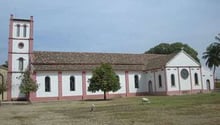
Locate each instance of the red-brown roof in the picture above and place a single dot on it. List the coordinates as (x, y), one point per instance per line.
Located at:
(71, 61)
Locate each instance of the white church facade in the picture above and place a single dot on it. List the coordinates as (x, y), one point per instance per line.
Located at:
(65, 75)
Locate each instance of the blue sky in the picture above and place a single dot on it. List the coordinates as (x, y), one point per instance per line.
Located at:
(115, 26)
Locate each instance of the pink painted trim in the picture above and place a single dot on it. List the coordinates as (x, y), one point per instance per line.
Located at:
(10, 44)
(107, 95)
(59, 85)
(31, 35)
(179, 79)
(79, 97)
(31, 41)
(84, 85)
(201, 78)
(9, 78)
(127, 82)
(44, 99)
(33, 94)
(99, 96)
(190, 75)
(137, 94)
(174, 93)
(47, 99)
(155, 87)
(165, 75)
(194, 91)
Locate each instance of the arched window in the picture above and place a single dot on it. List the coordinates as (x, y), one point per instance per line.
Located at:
(18, 30)
(136, 81)
(172, 79)
(160, 81)
(25, 31)
(72, 83)
(47, 84)
(20, 64)
(196, 79)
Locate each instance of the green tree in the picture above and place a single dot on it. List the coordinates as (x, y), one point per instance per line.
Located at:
(104, 79)
(218, 38)
(166, 48)
(212, 55)
(3, 87)
(5, 64)
(28, 85)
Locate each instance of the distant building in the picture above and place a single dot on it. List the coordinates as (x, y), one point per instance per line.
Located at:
(65, 75)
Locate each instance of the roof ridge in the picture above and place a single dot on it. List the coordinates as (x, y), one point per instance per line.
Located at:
(95, 53)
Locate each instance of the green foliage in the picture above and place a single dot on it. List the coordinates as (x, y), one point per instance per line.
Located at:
(166, 48)
(3, 88)
(27, 84)
(212, 55)
(104, 79)
(218, 38)
(217, 84)
(5, 64)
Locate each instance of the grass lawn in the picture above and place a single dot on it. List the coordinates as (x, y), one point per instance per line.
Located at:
(200, 109)
(217, 84)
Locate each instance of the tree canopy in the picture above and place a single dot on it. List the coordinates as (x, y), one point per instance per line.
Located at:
(3, 86)
(166, 48)
(5, 64)
(27, 84)
(212, 54)
(104, 79)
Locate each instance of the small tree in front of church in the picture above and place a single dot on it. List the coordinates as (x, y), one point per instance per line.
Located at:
(28, 85)
(104, 79)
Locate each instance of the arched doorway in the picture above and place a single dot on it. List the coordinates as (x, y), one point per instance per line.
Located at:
(150, 87)
(208, 85)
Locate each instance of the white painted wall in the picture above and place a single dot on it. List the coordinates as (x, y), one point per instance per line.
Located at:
(185, 84)
(16, 77)
(40, 77)
(207, 75)
(150, 77)
(163, 87)
(15, 61)
(193, 71)
(16, 82)
(15, 47)
(21, 29)
(66, 83)
(170, 71)
(142, 82)
(182, 59)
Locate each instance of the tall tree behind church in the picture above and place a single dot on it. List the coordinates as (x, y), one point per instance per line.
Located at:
(166, 48)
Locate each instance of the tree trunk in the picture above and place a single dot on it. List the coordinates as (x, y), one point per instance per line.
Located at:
(214, 72)
(2, 95)
(104, 95)
(28, 97)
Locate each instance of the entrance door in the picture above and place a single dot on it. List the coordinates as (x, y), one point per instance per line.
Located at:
(208, 84)
(150, 87)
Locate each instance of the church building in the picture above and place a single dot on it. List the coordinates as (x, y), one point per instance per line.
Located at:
(65, 75)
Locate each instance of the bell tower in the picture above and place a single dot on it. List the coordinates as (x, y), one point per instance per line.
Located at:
(20, 48)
